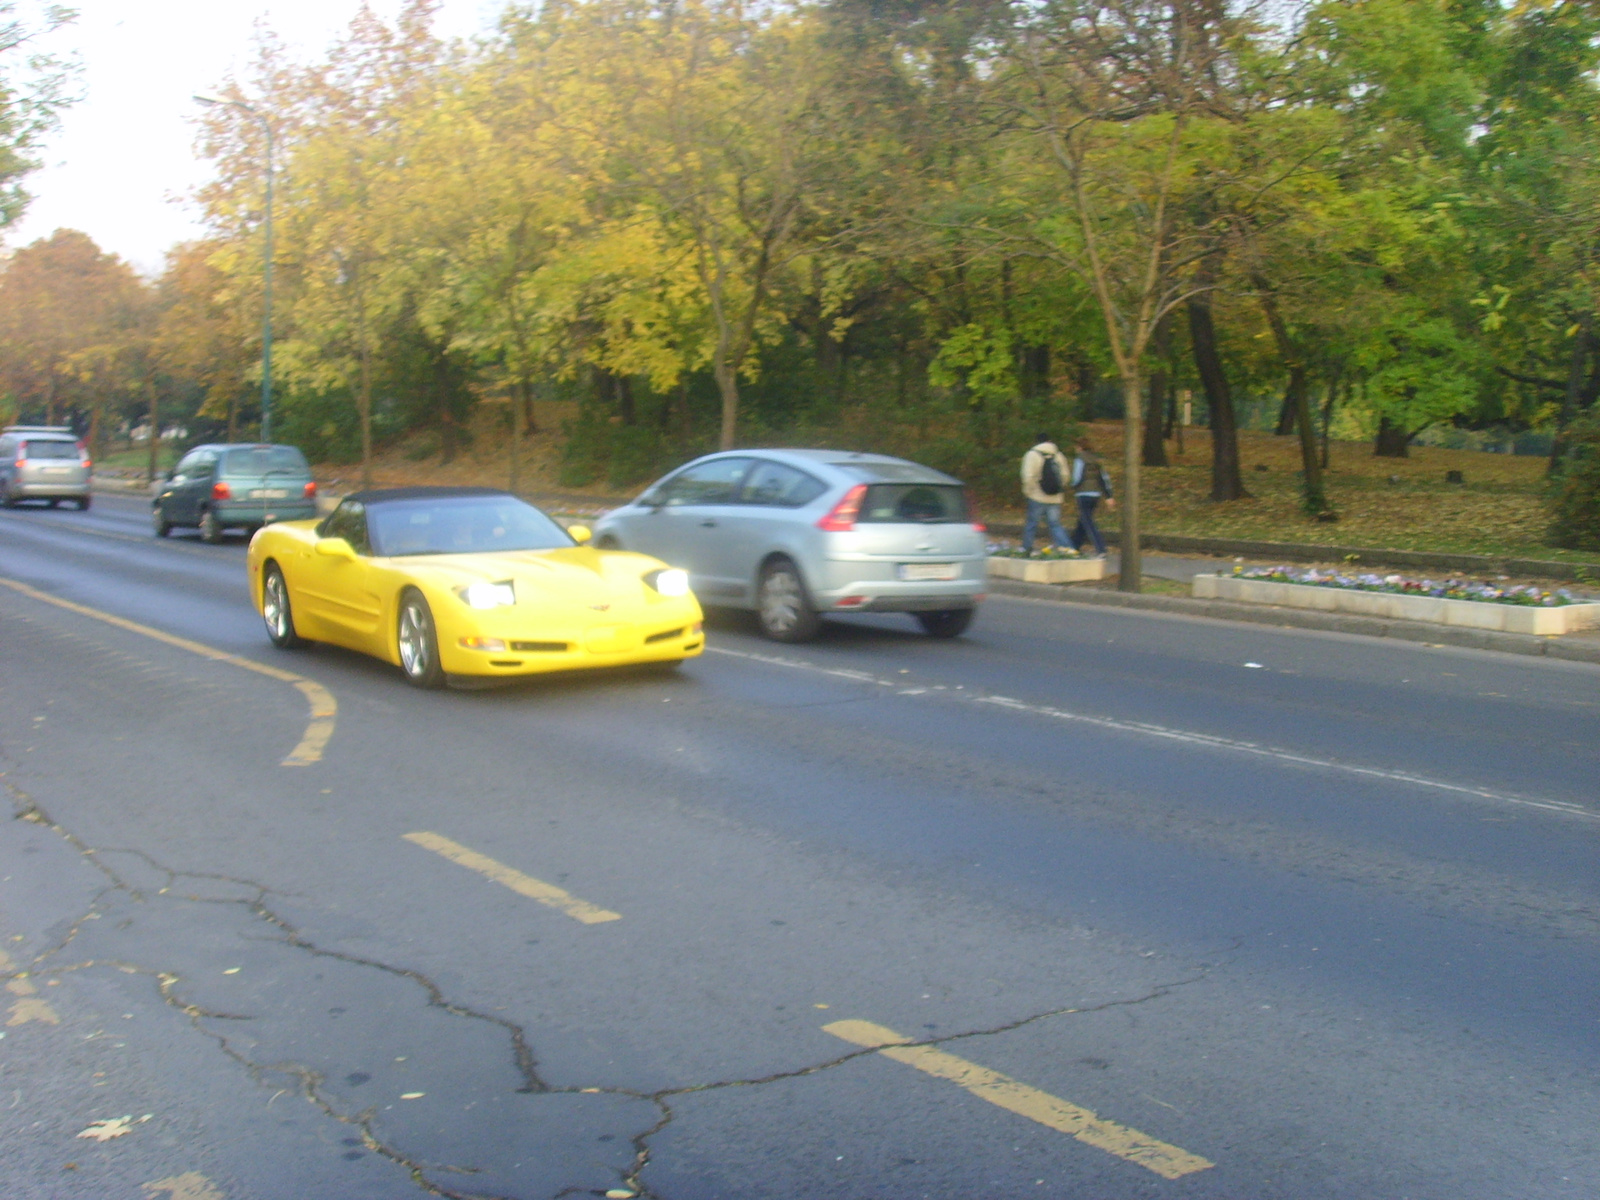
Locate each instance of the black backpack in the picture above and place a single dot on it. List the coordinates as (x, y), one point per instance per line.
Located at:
(1050, 481)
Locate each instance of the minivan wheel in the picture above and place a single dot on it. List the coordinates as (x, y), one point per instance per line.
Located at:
(419, 644)
(276, 612)
(159, 525)
(784, 611)
(210, 528)
(946, 623)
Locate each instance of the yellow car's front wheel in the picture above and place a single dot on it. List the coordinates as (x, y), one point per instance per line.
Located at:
(419, 644)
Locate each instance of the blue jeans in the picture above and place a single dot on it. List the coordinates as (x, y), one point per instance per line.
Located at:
(1052, 517)
(1086, 530)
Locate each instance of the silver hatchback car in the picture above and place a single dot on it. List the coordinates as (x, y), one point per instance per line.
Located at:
(43, 462)
(793, 534)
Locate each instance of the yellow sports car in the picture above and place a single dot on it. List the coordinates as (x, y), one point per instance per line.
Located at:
(467, 583)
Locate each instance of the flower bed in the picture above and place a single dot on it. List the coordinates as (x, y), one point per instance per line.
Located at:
(1482, 592)
(1453, 602)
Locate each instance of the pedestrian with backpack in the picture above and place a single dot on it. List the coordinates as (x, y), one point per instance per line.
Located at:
(1044, 484)
(1089, 484)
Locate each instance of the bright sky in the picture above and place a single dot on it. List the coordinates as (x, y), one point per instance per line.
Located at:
(122, 163)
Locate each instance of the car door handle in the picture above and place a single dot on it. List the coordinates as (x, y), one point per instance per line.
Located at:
(709, 523)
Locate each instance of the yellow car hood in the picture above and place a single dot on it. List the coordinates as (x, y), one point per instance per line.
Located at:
(576, 576)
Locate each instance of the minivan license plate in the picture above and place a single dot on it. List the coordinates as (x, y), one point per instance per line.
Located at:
(268, 494)
(918, 571)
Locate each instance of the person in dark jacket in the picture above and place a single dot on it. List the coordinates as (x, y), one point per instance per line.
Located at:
(1041, 501)
(1090, 484)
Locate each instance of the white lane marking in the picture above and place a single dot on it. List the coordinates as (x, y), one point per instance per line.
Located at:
(1183, 736)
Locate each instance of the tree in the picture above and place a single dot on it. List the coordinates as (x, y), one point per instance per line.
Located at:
(1113, 92)
(73, 329)
(34, 88)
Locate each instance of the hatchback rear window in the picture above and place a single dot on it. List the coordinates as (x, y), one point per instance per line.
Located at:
(913, 503)
(892, 472)
(52, 450)
(263, 460)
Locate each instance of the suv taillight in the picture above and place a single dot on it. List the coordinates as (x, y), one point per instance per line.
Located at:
(221, 491)
(842, 518)
(311, 490)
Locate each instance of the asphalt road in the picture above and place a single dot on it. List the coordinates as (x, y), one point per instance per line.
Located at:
(1167, 907)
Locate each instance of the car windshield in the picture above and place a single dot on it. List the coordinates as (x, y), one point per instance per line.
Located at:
(52, 449)
(460, 525)
(265, 460)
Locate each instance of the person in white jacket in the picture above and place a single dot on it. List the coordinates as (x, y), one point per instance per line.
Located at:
(1041, 501)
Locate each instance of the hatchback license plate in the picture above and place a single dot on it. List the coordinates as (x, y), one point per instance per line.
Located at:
(269, 494)
(918, 571)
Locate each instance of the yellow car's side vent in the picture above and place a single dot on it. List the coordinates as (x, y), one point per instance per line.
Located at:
(547, 647)
(665, 636)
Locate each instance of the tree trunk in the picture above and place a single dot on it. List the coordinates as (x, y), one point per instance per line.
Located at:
(1155, 449)
(155, 437)
(1155, 416)
(517, 399)
(728, 386)
(1226, 482)
(1131, 573)
(1392, 440)
(364, 412)
(1286, 414)
(1571, 394)
(1296, 401)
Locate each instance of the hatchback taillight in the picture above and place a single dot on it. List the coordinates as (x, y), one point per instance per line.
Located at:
(842, 518)
(311, 490)
(221, 491)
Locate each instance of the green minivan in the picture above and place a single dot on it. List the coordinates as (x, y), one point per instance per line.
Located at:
(234, 486)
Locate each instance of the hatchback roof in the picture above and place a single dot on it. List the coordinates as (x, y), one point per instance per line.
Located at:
(60, 431)
(870, 468)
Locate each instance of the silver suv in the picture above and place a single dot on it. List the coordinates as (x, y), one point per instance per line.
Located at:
(794, 534)
(43, 462)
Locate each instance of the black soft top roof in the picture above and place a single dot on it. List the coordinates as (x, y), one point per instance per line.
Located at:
(385, 495)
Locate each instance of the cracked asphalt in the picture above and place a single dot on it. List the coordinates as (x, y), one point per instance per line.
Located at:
(1282, 901)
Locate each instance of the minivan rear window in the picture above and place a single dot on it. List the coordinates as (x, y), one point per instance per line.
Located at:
(914, 503)
(52, 449)
(260, 460)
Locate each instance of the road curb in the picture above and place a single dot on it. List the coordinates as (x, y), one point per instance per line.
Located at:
(1570, 648)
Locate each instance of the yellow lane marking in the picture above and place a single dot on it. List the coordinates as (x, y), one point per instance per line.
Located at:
(1169, 1162)
(324, 708)
(523, 885)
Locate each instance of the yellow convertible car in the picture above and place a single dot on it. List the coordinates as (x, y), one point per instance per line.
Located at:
(468, 584)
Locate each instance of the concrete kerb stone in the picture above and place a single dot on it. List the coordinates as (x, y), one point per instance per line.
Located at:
(1571, 647)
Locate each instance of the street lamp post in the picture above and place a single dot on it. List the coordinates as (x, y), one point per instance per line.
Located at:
(266, 315)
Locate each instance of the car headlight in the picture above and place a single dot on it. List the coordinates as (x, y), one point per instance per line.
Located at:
(671, 582)
(484, 594)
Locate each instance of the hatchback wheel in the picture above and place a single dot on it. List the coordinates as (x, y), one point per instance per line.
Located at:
(83, 504)
(159, 525)
(276, 612)
(419, 644)
(946, 623)
(785, 613)
(210, 528)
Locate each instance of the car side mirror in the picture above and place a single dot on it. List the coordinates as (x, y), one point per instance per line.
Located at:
(580, 534)
(334, 547)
